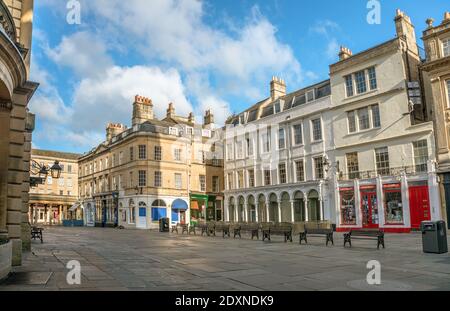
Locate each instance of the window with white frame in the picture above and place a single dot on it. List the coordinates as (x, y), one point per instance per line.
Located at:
(131, 153)
(142, 178)
(448, 92)
(363, 117)
(158, 153)
(300, 171)
(281, 139)
(178, 181)
(351, 117)
(265, 142)
(421, 155)
(282, 173)
(316, 129)
(158, 179)
(230, 151)
(360, 80)
(249, 146)
(318, 168)
(69, 182)
(240, 179)
(142, 152)
(240, 149)
(49, 180)
(446, 47)
(251, 178)
(298, 134)
(215, 184)
(230, 181)
(382, 161)
(61, 181)
(202, 183)
(372, 78)
(349, 85)
(177, 154)
(267, 177)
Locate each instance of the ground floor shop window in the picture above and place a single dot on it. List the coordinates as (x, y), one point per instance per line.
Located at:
(348, 210)
(198, 210)
(159, 210)
(393, 204)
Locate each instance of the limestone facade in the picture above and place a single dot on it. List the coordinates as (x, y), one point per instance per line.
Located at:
(16, 123)
(436, 76)
(157, 168)
(51, 202)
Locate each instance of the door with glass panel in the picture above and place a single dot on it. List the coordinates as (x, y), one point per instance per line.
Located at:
(369, 210)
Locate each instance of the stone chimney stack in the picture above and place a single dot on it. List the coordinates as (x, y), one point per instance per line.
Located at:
(405, 29)
(114, 129)
(446, 18)
(191, 118)
(209, 118)
(170, 111)
(142, 110)
(277, 88)
(344, 53)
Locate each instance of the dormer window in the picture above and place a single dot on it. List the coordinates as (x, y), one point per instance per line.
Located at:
(173, 131)
(310, 96)
(277, 107)
(446, 47)
(242, 119)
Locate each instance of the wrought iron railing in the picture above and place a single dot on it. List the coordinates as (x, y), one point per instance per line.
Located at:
(6, 22)
(389, 171)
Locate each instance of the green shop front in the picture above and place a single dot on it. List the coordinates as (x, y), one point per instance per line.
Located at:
(205, 208)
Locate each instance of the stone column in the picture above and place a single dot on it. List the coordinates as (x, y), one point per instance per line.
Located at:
(5, 113)
(293, 210)
(25, 225)
(16, 175)
(279, 211)
(305, 204)
(256, 212)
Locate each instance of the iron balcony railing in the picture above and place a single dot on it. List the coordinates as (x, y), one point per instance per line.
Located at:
(389, 171)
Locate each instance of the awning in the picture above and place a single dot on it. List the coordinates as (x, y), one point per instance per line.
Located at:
(179, 204)
(194, 205)
(74, 207)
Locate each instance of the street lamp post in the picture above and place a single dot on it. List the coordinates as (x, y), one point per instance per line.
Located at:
(41, 172)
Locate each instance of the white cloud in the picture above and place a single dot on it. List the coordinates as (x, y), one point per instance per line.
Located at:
(109, 98)
(83, 52)
(175, 32)
(328, 29)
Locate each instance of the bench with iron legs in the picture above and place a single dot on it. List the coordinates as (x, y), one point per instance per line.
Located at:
(328, 233)
(252, 228)
(224, 227)
(192, 229)
(184, 227)
(365, 234)
(284, 229)
(36, 233)
(204, 227)
(236, 228)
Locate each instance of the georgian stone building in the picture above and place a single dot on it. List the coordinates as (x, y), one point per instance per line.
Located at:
(436, 76)
(384, 149)
(275, 157)
(157, 168)
(54, 201)
(16, 125)
(357, 150)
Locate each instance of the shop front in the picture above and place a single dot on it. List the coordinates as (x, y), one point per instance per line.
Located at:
(179, 212)
(205, 208)
(396, 205)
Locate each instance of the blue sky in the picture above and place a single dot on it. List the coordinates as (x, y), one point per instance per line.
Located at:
(197, 54)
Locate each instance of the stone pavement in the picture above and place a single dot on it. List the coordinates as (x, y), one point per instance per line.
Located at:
(113, 259)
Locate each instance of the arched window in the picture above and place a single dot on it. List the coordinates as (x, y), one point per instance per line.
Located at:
(132, 212)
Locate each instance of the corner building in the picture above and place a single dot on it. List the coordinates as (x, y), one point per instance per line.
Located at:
(157, 168)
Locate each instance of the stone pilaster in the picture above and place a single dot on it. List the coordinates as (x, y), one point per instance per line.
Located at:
(26, 237)
(16, 171)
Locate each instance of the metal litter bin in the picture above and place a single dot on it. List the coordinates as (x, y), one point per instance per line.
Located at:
(434, 237)
(164, 225)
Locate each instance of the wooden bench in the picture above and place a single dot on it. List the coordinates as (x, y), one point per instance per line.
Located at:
(328, 233)
(252, 228)
(224, 227)
(364, 234)
(184, 227)
(282, 228)
(192, 229)
(36, 233)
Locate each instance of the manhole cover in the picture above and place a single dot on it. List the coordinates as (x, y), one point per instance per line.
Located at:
(384, 286)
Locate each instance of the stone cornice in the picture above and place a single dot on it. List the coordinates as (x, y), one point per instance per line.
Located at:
(439, 63)
(13, 60)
